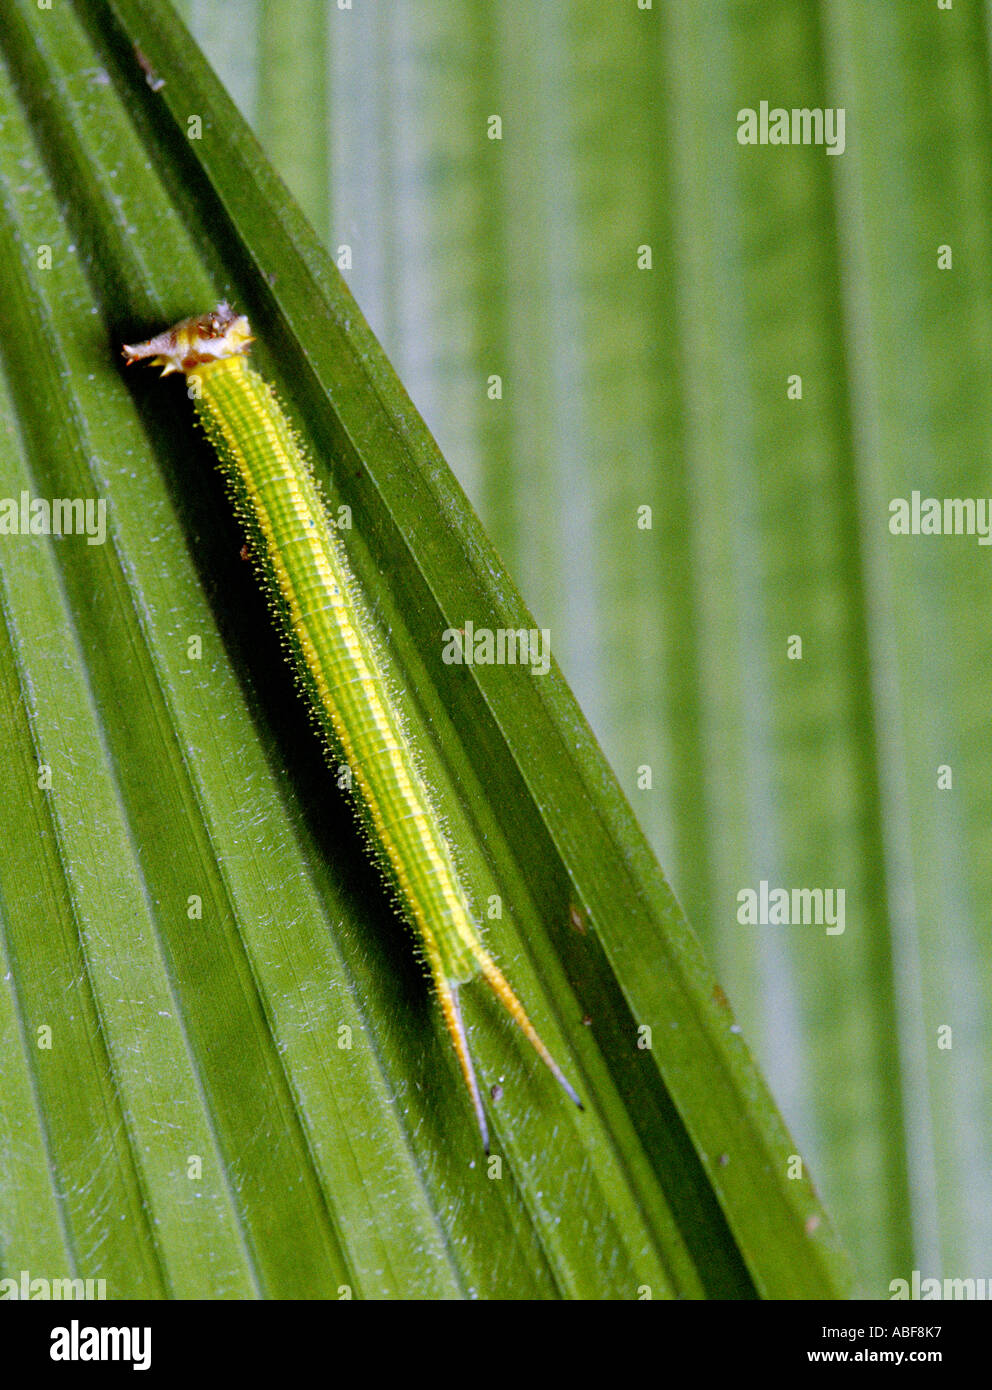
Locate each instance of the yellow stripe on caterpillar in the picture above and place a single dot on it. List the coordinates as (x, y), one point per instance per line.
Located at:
(336, 647)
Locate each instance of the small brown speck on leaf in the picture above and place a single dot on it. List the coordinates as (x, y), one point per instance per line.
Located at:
(151, 76)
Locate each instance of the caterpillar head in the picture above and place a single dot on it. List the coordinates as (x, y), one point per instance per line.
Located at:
(192, 342)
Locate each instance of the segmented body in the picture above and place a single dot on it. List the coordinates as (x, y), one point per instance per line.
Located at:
(338, 656)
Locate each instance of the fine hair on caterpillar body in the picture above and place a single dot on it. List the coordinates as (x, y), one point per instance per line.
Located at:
(336, 652)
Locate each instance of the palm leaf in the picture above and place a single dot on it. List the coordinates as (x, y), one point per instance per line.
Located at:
(246, 1088)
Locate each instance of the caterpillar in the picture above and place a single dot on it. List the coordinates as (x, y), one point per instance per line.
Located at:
(336, 651)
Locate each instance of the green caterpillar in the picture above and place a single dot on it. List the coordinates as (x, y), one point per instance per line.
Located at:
(335, 648)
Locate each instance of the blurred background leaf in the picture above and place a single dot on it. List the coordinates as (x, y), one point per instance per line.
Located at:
(224, 1076)
(667, 388)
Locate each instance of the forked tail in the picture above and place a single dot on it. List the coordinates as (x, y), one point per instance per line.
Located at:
(451, 1009)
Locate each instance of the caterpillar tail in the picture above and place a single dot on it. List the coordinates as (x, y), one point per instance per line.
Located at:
(452, 1014)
